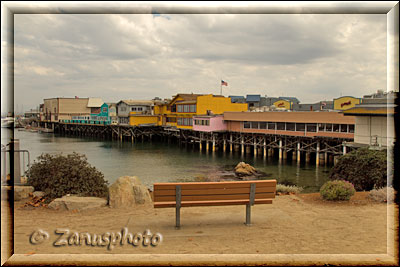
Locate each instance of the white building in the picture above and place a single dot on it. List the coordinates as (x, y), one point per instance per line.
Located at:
(374, 123)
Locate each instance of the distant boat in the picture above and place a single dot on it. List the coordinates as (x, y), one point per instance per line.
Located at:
(7, 122)
(44, 130)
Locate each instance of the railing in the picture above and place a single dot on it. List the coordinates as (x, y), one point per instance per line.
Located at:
(374, 140)
(26, 158)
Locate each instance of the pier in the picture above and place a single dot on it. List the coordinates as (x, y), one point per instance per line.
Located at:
(321, 150)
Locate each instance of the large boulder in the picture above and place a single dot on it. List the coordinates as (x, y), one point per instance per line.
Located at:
(244, 169)
(128, 191)
(77, 203)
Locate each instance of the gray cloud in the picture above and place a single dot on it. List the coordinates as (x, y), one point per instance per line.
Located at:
(112, 56)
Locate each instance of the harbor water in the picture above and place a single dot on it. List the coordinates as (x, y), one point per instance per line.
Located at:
(162, 162)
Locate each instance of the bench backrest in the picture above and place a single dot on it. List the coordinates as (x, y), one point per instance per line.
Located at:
(215, 191)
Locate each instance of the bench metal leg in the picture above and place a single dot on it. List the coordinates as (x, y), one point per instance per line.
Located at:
(178, 197)
(248, 213)
(178, 218)
(251, 203)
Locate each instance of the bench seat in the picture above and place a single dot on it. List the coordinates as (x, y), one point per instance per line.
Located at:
(172, 204)
(195, 194)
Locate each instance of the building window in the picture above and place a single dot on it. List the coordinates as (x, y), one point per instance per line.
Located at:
(328, 127)
(271, 125)
(280, 126)
(290, 126)
(246, 125)
(343, 128)
(123, 120)
(263, 125)
(123, 108)
(104, 109)
(173, 108)
(185, 121)
(335, 127)
(300, 127)
(187, 108)
(321, 127)
(171, 119)
(351, 128)
(254, 125)
(139, 109)
(202, 122)
(311, 127)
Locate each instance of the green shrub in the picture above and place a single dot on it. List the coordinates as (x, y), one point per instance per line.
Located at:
(363, 167)
(337, 190)
(58, 175)
(286, 189)
(385, 194)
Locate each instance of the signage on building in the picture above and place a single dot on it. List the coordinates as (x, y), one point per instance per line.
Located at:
(282, 104)
(345, 102)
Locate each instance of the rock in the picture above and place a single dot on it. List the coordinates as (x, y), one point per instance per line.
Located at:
(77, 203)
(128, 191)
(243, 169)
(24, 180)
(22, 191)
(38, 194)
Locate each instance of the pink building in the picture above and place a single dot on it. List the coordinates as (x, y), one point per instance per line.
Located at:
(207, 123)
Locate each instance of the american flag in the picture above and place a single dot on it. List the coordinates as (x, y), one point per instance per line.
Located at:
(224, 83)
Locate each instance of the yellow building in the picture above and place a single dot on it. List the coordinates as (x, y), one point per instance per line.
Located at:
(183, 107)
(283, 104)
(345, 102)
(180, 110)
(140, 120)
(159, 110)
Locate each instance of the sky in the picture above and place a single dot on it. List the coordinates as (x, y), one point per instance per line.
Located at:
(141, 56)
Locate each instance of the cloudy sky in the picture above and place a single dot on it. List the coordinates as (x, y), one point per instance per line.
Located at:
(141, 56)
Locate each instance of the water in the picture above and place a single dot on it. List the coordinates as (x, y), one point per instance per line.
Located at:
(162, 162)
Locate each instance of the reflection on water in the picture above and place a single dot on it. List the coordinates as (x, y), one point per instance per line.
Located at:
(163, 162)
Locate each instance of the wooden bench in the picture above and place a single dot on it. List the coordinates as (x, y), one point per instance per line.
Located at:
(193, 194)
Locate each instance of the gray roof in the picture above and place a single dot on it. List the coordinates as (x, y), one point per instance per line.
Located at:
(253, 98)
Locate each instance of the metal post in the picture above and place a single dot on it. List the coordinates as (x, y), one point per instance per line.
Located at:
(178, 194)
(317, 154)
(17, 162)
(251, 203)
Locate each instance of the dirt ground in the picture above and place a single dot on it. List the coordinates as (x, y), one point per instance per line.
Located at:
(293, 224)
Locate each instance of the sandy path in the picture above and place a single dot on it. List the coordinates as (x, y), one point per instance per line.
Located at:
(291, 225)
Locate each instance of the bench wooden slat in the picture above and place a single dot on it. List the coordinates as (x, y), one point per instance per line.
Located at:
(214, 197)
(171, 204)
(214, 185)
(213, 191)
